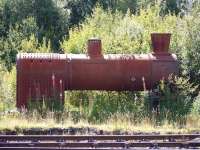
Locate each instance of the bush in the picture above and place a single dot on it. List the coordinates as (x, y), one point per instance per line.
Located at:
(175, 99)
(11, 45)
(51, 20)
(21, 38)
(31, 45)
(107, 104)
(99, 106)
(124, 34)
(191, 49)
(196, 106)
(8, 90)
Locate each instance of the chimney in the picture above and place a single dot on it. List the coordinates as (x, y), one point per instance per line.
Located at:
(160, 43)
(94, 48)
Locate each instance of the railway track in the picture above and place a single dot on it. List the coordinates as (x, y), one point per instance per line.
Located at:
(99, 142)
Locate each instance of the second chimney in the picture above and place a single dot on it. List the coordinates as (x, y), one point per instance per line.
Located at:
(94, 48)
(160, 42)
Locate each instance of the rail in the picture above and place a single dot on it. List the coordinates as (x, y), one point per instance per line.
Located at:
(98, 142)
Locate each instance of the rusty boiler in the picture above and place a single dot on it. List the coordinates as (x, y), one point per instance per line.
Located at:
(44, 75)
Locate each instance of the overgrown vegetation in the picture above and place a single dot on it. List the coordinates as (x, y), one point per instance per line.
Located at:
(118, 123)
(124, 27)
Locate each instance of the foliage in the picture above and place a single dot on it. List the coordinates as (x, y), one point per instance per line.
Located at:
(44, 12)
(178, 7)
(96, 106)
(170, 6)
(32, 45)
(21, 38)
(79, 9)
(123, 34)
(196, 106)
(42, 107)
(191, 53)
(8, 89)
(52, 22)
(176, 99)
(110, 103)
(11, 45)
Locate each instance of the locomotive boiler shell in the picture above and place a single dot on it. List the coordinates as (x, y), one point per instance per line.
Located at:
(47, 76)
(40, 75)
(120, 72)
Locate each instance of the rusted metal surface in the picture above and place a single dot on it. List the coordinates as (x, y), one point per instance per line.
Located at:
(99, 142)
(160, 42)
(40, 76)
(47, 76)
(94, 48)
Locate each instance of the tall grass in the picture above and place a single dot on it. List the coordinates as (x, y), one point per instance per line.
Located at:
(118, 123)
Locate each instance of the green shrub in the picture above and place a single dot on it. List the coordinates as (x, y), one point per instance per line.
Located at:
(196, 106)
(107, 104)
(124, 34)
(175, 99)
(98, 106)
(12, 44)
(191, 49)
(31, 45)
(8, 90)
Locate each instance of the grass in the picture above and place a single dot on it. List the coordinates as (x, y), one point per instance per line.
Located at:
(116, 123)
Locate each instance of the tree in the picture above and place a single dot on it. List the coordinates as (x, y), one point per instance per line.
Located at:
(51, 20)
(191, 55)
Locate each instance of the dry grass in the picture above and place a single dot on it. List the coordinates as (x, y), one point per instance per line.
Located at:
(116, 123)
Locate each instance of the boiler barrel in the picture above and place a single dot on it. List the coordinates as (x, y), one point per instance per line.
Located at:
(46, 76)
(119, 72)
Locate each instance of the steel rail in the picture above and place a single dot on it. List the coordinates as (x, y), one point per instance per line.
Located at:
(96, 137)
(56, 148)
(101, 144)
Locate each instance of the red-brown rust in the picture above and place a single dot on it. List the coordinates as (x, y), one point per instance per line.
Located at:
(160, 42)
(94, 48)
(47, 76)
